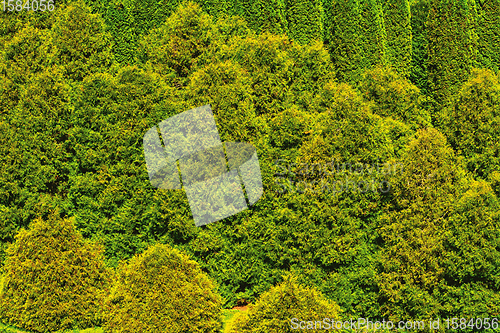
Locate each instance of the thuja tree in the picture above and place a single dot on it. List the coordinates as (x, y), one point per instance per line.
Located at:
(186, 34)
(488, 30)
(274, 309)
(394, 96)
(163, 290)
(418, 71)
(472, 122)
(53, 278)
(373, 35)
(305, 20)
(414, 230)
(80, 42)
(342, 36)
(357, 37)
(397, 20)
(451, 46)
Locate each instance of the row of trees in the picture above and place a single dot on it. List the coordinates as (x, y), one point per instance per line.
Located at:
(72, 120)
(55, 280)
(434, 43)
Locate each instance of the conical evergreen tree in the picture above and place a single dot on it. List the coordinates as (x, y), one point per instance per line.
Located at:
(305, 20)
(53, 278)
(373, 35)
(274, 309)
(397, 20)
(471, 122)
(414, 231)
(357, 38)
(162, 290)
(342, 36)
(451, 46)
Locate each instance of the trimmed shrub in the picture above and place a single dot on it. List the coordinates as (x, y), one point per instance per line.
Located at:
(275, 309)
(261, 15)
(162, 290)
(53, 279)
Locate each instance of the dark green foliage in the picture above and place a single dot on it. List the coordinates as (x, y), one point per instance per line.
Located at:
(371, 29)
(53, 279)
(217, 8)
(357, 37)
(305, 20)
(343, 37)
(129, 20)
(451, 46)
(261, 15)
(163, 290)
(472, 123)
(274, 309)
(418, 74)
(120, 25)
(488, 31)
(397, 21)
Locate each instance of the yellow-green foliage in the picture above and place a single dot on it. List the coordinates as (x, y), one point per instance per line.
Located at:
(80, 41)
(53, 279)
(275, 309)
(394, 96)
(471, 122)
(177, 44)
(162, 290)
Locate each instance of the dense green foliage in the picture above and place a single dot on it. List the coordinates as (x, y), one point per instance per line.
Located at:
(53, 279)
(162, 290)
(405, 226)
